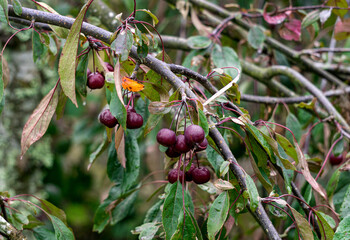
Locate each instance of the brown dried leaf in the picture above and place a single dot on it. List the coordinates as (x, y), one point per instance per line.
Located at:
(39, 121)
(306, 173)
(120, 145)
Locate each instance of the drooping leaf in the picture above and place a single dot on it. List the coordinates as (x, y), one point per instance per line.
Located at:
(122, 44)
(302, 224)
(152, 122)
(218, 214)
(62, 232)
(224, 57)
(123, 209)
(310, 18)
(154, 18)
(147, 230)
(172, 209)
(38, 122)
(53, 211)
(81, 75)
(198, 42)
(203, 122)
(43, 233)
(343, 230)
(38, 47)
(17, 7)
(67, 62)
(256, 37)
(287, 147)
(4, 6)
(154, 214)
(253, 193)
(325, 221)
(60, 31)
(294, 125)
(214, 159)
(333, 183)
(345, 207)
(117, 109)
(99, 150)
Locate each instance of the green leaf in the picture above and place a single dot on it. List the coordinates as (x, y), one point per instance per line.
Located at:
(147, 230)
(4, 5)
(325, 221)
(122, 44)
(39, 121)
(154, 214)
(343, 230)
(142, 50)
(117, 109)
(172, 209)
(294, 125)
(62, 232)
(17, 7)
(345, 207)
(60, 31)
(81, 75)
(123, 209)
(302, 224)
(190, 230)
(214, 159)
(224, 168)
(198, 42)
(38, 48)
(339, 4)
(226, 57)
(53, 210)
(253, 193)
(67, 62)
(99, 150)
(152, 122)
(333, 183)
(154, 18)
(43, 233)
(203, 122)
(218, 214)
(233, 92)
(256, 37)
(287, 147)
(2, 87)
(310, 18)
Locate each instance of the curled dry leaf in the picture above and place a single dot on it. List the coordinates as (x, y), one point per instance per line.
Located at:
(39, 121)
(270, 17)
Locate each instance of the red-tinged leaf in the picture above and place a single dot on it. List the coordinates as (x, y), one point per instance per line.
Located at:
(119, 142)
(291, 30)
(302, 224)
(67, 63)
(38, 122)
(270, 17)
(306, 173)
(342, 29)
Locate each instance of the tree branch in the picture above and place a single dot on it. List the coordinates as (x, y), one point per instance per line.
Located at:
(9, 231)
(162, 69)
(302, 61)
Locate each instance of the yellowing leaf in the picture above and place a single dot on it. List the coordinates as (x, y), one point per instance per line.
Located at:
(67, 64)
(38, 122)
(132, 85)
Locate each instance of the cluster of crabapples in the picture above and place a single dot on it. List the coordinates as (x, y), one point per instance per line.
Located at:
(194, 140)
(96, 80)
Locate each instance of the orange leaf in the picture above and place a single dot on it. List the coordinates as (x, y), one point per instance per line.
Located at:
(132, 85)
